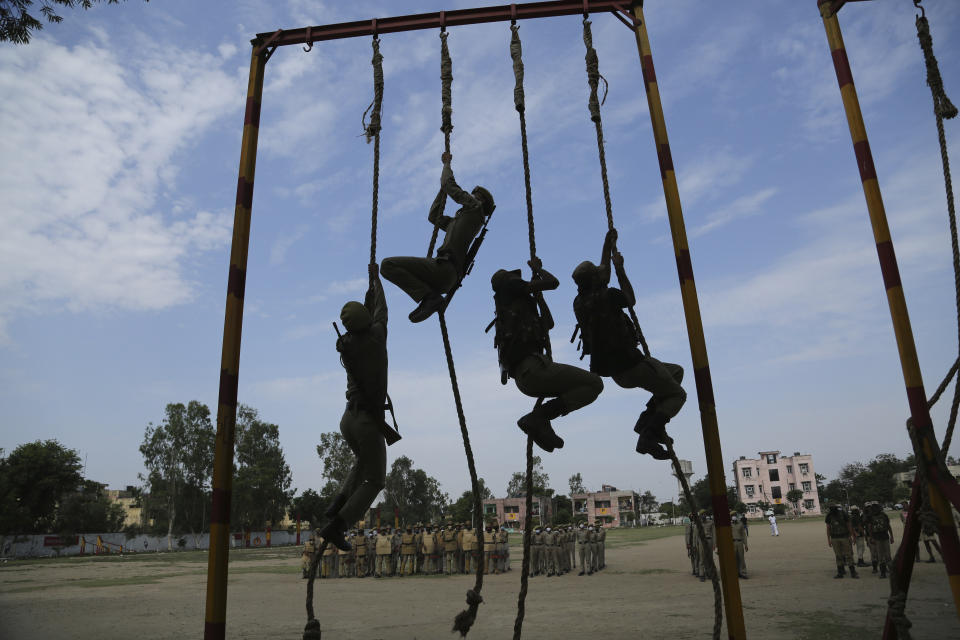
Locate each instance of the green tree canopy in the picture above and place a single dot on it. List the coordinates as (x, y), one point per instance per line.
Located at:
(576, 484)
(34, 479)
(262, 479)
(89, 510)
(17, 22)
(309, 506)
(462, 509)
(517, 486)
(417, 496)
(178, 456)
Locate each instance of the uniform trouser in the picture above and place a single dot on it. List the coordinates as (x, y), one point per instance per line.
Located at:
(872, 545)
(738, 548)
(860, 547)
(325, 567)
(552, 560)
(603, 553)
(489, 557)
(408, 564)
(584, 557)
(371, 562)
(883, 550)
(704, 555)
(502, 560)
(662, 379)
(538, 377)
(843, 550)
(559, 553)
(572, 559)
(366, 478)
(383, 564)
(419, 277)
(534, 558)
(594, 556)
(361, 566)
(694, 553)
(450, 562)
(471, 559)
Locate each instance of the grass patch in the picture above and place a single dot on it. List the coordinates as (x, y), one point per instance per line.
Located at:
(98, 583)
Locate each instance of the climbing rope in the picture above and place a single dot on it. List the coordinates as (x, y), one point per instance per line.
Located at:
(446, 111)
(594, 103)
(465, 618)
(943, 109)
(372, 132)
(312, 630)
(707, 551)
(525, 569)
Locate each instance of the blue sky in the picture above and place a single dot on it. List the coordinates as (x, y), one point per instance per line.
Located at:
(121, 142)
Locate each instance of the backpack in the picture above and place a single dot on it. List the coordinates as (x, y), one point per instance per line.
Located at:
(838, 525)
(518, 331)
(606, 331)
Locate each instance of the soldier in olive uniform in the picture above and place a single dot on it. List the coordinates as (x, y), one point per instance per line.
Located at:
(583, 542)
(371, 553)
(536, 552)
(384, 547)
(706, 552)
(489, 550)
(363, 351)
(408, 543)
(428, 549)
(523, 322)
(878, 526)
(690, 537)
(740, 547)
(503, 550)
(360, 544)
(427, 280)
(839, 536)
(594, 549)
(344, 559)
(856, 521)
(602, 546)
(326, 566)
(610, 338)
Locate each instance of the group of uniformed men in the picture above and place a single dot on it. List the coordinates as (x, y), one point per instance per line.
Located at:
(871, 529)
(699, 554)
(421, 549)
(455, 548)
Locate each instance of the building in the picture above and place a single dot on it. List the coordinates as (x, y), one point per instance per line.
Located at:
(512, 512)
(609, 507)
(771, 476)
(132, 507)
(905, 478)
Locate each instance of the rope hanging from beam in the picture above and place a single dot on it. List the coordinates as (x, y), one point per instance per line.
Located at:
(446, 111)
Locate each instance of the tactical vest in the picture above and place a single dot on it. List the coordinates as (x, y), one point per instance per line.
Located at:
(361, 547)
(608, 334)
(364, 356)
(450, 540)
(429, 543)
(383, 545)
(878, 524)
(519, 332)
(837, 523)
(407, 542)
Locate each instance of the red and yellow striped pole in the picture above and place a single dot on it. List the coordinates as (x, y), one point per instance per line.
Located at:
(698, 346)
(216, 613)
(916, 396)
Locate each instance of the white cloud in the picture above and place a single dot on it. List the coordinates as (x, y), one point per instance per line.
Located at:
(90, 147)
(743, 207)
(283, 242)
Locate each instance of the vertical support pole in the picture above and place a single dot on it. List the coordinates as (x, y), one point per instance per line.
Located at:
(916, 396)
(216, 611)
(698, 347)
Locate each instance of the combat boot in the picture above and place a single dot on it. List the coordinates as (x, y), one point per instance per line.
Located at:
(431, 303)
(853, 572)
(333, 532)
(874, 567)
(861, 563)
(536, 424)
(840, 572)
(883, 569)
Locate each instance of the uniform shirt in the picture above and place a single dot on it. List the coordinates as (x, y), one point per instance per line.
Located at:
(364, 355)
(460, 230)
(837, 523)
(521, 331)
(606, 337)
(739, 531)
(383, 544)
(450, 540)
(708, 529)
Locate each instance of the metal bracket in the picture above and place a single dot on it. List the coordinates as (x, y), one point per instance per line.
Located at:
(443, 22)
(513, 14)
(309, 41)
(626, 17)
(266, 45)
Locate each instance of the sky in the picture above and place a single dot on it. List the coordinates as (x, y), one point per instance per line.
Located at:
(118, 168)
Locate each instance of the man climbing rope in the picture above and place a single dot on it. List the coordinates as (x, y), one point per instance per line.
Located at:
(610, 338)
(363, 350)
(522, 324)
(428, 280)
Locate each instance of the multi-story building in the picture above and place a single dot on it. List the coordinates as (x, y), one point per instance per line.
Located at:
(512, 512)
(609, 507)
(132, 509)
(771, 477)
(905, 478)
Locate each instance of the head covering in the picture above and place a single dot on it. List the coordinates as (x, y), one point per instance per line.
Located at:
(502, 276)
(355, 316)
(488, 204)
(585, 273)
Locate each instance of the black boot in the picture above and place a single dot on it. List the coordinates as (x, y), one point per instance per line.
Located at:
(853, 571)
(431, 303)
(648, 443)
(883, 569)
(537, 425)
(861, 563)
(333, 533)
(874, 567)
(840, 572)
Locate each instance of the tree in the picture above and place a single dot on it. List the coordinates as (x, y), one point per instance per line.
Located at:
(178, 456)
(416, 495)
(16, 23)
(261, 486)
(337, 457)
(563, 513)
(462, 509)
(308, 506)
(517, 486)
(647, 503)
(34, 480)
(820, 480)
(89, 510)
(576, 484)
(794, 496)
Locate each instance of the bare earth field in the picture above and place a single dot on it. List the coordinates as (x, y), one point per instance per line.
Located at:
(645, 592)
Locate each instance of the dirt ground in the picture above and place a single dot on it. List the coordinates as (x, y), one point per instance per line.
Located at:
(645, 592)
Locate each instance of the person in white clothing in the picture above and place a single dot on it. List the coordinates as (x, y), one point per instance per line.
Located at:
(773, 525)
